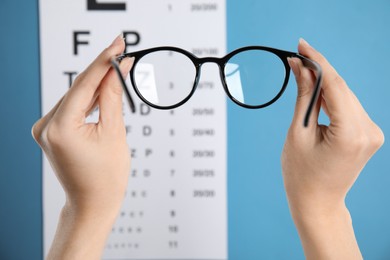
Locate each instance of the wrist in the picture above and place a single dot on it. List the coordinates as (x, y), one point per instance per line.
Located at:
(319, 216)
(326, 232)
(88, 204)
(90, 212)
(312, 207)
(81, 233)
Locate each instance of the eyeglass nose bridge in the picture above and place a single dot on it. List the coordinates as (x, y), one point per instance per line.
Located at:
(200, 61)
(218, 61)
(204, 60)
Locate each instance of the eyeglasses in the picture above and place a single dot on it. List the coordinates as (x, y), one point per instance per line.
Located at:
(252, 77)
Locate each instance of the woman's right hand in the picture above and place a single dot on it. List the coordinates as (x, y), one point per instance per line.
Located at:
(91, 160)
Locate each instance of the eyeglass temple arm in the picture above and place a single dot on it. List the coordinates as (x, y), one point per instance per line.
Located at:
(115, 64)
(314, 66)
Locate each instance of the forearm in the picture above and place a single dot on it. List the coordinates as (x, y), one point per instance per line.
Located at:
(81, 234)
(326, 234)
(320, 163)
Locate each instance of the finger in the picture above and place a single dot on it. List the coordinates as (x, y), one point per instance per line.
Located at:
(335, 90)
(96, 71)
(110, 99)
(80, 96)
(324, 106)
(39, 126)
(95, 103)
(305, 84)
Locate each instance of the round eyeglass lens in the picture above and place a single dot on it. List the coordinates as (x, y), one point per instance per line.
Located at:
(254, 77)
(164, 78)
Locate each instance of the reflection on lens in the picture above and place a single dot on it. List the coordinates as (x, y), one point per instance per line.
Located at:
(254, 77)
(164, 78)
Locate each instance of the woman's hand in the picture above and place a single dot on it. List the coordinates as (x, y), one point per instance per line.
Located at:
(91, 160)
(321, 163)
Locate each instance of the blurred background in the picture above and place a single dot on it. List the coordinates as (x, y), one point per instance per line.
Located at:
(353, 35)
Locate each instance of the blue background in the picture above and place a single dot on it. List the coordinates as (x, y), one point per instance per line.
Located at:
(353, 35)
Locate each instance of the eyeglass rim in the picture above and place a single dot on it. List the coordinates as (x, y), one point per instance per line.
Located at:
(221, 62)
(138, 55)
(282, 56)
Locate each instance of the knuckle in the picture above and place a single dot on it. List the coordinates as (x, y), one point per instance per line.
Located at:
(52, 136)
(47, 135)
(338, 80)
(364, 141)
(295, 138)
(108, 53)
(303, 90)
(79, 78)
(359, 143)
(36, 131)
(304, 86)
(320, 58)
(377, 138)
(117, 90)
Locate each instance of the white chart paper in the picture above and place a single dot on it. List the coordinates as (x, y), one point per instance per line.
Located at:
(176, 202)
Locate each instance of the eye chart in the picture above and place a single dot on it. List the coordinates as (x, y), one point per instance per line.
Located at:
(176, 202)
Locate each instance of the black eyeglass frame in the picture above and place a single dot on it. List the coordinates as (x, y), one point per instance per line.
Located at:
(221, 62)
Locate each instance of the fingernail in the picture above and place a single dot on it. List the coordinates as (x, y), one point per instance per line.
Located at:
(126, 65)
(303, 42)
(117, 40)
(294, 66)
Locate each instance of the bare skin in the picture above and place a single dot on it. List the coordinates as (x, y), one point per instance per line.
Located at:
(320, 163)
(94, 191)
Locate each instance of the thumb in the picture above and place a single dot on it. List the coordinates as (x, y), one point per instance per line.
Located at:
(335, 92)
(305, 82)
(110, 98)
